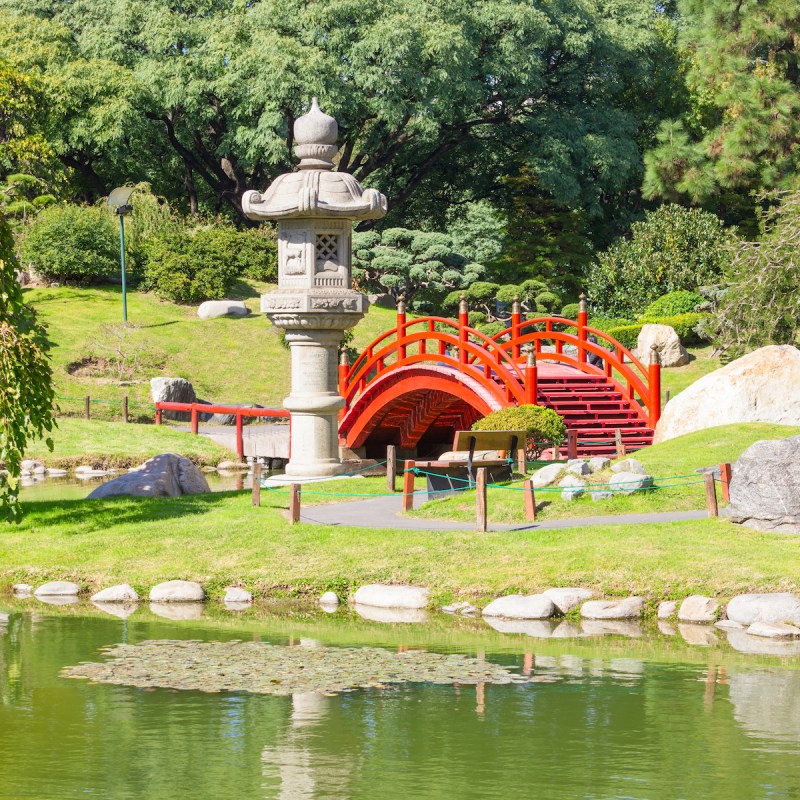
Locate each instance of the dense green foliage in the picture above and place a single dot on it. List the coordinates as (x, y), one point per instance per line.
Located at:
(26, 390)
(417, 265)
(761, 305)
(673, 303)
(77, 244)
(543, 426)
(189, 266)
(687, 326)
(534, 297)
(740, 129)
(674, 248)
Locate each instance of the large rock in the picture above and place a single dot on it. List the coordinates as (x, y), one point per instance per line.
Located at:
(173, 390)
(235, 594)
(517, 606)
(697, 608)
(764, 486)
(572, 487)
(167, 475)
(380, 595)
(670, 349)
(567, 598)
(177, 592)
(667, 609)
(222, 308)
(123, 593)
(763, 386)
(774, 630)
(774, 607)
(546, 476)
(629, 608)
(629, 482)
(629, 465)
(58, 589)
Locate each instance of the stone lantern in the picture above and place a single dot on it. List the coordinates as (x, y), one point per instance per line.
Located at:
(315, 302)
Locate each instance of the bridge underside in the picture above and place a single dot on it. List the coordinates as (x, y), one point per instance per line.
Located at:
(416, 409)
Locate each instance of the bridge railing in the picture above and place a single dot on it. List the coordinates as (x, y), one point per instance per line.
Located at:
(506, 363)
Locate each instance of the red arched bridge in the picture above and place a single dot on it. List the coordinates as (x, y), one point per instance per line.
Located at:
(427, 377)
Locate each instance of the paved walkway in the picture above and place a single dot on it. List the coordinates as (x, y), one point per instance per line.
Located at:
(384, 512)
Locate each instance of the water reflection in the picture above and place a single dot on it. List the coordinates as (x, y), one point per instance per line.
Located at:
(178, 611)
(404, 615)
(121, 610)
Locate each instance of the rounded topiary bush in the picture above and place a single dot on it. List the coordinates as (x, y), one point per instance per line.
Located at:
(680, 302)
(75, 244)
(570, 311)
(541, 425)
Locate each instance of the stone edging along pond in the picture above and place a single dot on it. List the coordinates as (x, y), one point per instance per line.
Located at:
(767, 616)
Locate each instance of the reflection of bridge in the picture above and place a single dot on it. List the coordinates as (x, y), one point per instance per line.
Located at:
(426, 377)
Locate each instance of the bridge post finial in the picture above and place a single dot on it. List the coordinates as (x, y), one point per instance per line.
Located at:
(655, 354)
(582, 303)
(530, 356)
(344, 358)
(463, 305)
(401, 304)
(515, 306)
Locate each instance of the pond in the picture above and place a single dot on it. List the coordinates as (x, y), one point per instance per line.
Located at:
(598, 717)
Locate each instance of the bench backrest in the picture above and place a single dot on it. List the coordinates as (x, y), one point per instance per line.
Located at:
(488, 440)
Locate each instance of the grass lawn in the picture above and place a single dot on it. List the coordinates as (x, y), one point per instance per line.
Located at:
(114, 444)
(672, 462)
(221, 538)
(227, 360)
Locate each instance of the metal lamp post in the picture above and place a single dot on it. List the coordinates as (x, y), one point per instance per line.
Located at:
(119, 203)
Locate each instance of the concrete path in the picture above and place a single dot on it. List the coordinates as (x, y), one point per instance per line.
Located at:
(384, 512)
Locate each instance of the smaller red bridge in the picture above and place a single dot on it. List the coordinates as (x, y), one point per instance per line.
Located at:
(427, 377)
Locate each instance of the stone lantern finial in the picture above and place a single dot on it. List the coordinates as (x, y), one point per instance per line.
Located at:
(315, 135)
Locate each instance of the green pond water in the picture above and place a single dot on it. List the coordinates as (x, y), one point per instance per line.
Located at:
(616, 716)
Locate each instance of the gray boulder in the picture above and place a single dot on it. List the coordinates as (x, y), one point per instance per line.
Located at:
(629, 608)
(629, 465)
(177, 592)
(167, 475)
(774, 630)
(235, 594)
(573, 487)
(774, 607)
(23, 589)
(517, 606)
(58, 589)
(173, 390)
(577, 466)
(697, 608)
(667, 342)
(329, 599)
(546, 476)
(222, 308)
(602, 495)
(667, 609)
(629, 482)
(764, 486)
(567, 598)
(599, 463)
(122, 593)
(379, 595)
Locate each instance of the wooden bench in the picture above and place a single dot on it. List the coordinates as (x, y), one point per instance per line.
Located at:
(456, 473)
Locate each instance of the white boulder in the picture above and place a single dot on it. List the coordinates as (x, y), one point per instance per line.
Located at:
(177, 592)
(697, 608)
(628, 608)
(167, 475)
(629, 465)
(599, 463)
(667, 342)
(222, 308)
(573, 487)
(517, 606)
(629, 482)
(567, 598)
(773, 607)
(577, 466)
(22, 589)
(774, 630)
(763, 386)
(122, 593)
(329, 599)
(667, 609)
(235, 594)
(380, 595)
(546, 476)
(58, 589)
(602, 495)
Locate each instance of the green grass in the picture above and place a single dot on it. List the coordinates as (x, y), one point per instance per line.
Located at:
(221, 538)
(677, 458)
(114, 444)
(227, 360)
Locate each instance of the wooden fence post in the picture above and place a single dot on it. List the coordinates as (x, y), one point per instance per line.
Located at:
(391, 468)
(195, 419)
(620, 444)
(239, 438)
(158, 415)
(530, 500)
(711, 495)
(125, 409)
(480, 499)
(572, 444)
(408, 486)
(87, 407)
(294, 503)
(725, 475)
(256, 483)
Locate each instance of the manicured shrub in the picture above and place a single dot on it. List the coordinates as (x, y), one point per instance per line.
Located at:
(476, 318)
(570, 311)
(687, 326)
(674, 303)
(673, 248)
(542, 426)
(191, 266)
(75, 244)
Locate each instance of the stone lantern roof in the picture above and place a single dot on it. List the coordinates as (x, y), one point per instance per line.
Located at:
(315, 190)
